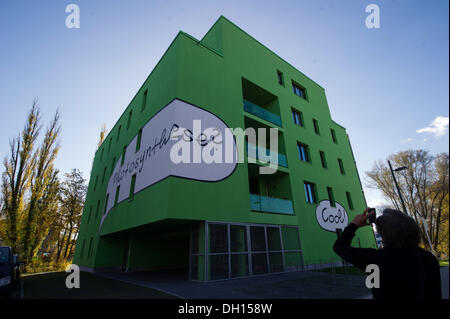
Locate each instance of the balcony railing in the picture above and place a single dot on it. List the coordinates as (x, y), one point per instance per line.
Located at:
(252, 151)
(262, 113)
(266, 204)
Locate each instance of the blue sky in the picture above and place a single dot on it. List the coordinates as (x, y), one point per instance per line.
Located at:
(382, 84)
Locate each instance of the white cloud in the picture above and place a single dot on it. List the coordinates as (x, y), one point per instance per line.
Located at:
(438, 127)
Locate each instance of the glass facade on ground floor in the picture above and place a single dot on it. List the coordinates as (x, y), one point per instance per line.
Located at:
(220, 251)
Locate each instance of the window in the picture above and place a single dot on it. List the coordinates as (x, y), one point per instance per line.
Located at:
(124, 152)
(96, 210)
(95, 184)
(90, 213)
(341, 166)
(133, 182)
(316, 127)
(103, 175)
(310, 193)
(349, 200)
(112, 166)
(298, 90)
(297, 116)
(323, 159)
(118, 133)
(129, 119)
(109, 145)
(116, 198)
(245, 250)
(280, 78)
(303, 152)
(101, 154)
(333, 136)
(331, 196)
(144, 100)
(106, 204)
(90, 248)
(138, 141)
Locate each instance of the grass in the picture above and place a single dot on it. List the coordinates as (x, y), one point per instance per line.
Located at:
(52, 286)
(443, 262)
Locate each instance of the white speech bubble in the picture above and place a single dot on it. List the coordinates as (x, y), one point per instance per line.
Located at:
(331, 218)
(153, 163)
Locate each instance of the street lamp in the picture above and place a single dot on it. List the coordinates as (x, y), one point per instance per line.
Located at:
(396, 184)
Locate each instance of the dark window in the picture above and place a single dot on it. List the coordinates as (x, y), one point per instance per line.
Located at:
(298, 90)
(112, 166)
(323, 159)
(101, 154)
(90, 213)
(341, 166)
(144, 100)
(106, 204)
(124, 152)
(118, 133)
(297, 116)
(133, 182)
(303, 152)
(90, 248)
(316, 127)
(280, 78)
(97, 209)
(331, 196)
(310, 193)
(257, 239)
(349, 200)
(109, 145)
(138, 141)
(129, 119)
(333, 136)
(104, 174)
(218, 238)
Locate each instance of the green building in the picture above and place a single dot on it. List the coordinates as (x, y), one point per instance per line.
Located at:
(221, 220)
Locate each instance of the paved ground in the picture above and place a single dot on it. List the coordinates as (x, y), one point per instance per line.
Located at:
(308, 284)
(52, 286)
(144, 285)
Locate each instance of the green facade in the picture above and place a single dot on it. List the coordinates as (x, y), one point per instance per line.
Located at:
(233, 76)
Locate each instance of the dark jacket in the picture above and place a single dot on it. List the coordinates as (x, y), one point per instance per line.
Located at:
(412, 273)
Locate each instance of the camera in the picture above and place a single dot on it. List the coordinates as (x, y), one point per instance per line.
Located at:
(373, 217)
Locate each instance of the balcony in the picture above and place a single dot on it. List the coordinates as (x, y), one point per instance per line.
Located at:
(266, 204)
(253, 149)
(262, 113)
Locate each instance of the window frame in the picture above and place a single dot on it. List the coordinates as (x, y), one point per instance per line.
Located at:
(310, 192)
(296, 87)
(304, 150)
(331, 196)
(323, 159)
(297, 115)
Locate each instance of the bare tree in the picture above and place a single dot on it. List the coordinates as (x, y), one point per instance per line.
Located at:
(72, 196)
(424, 186)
